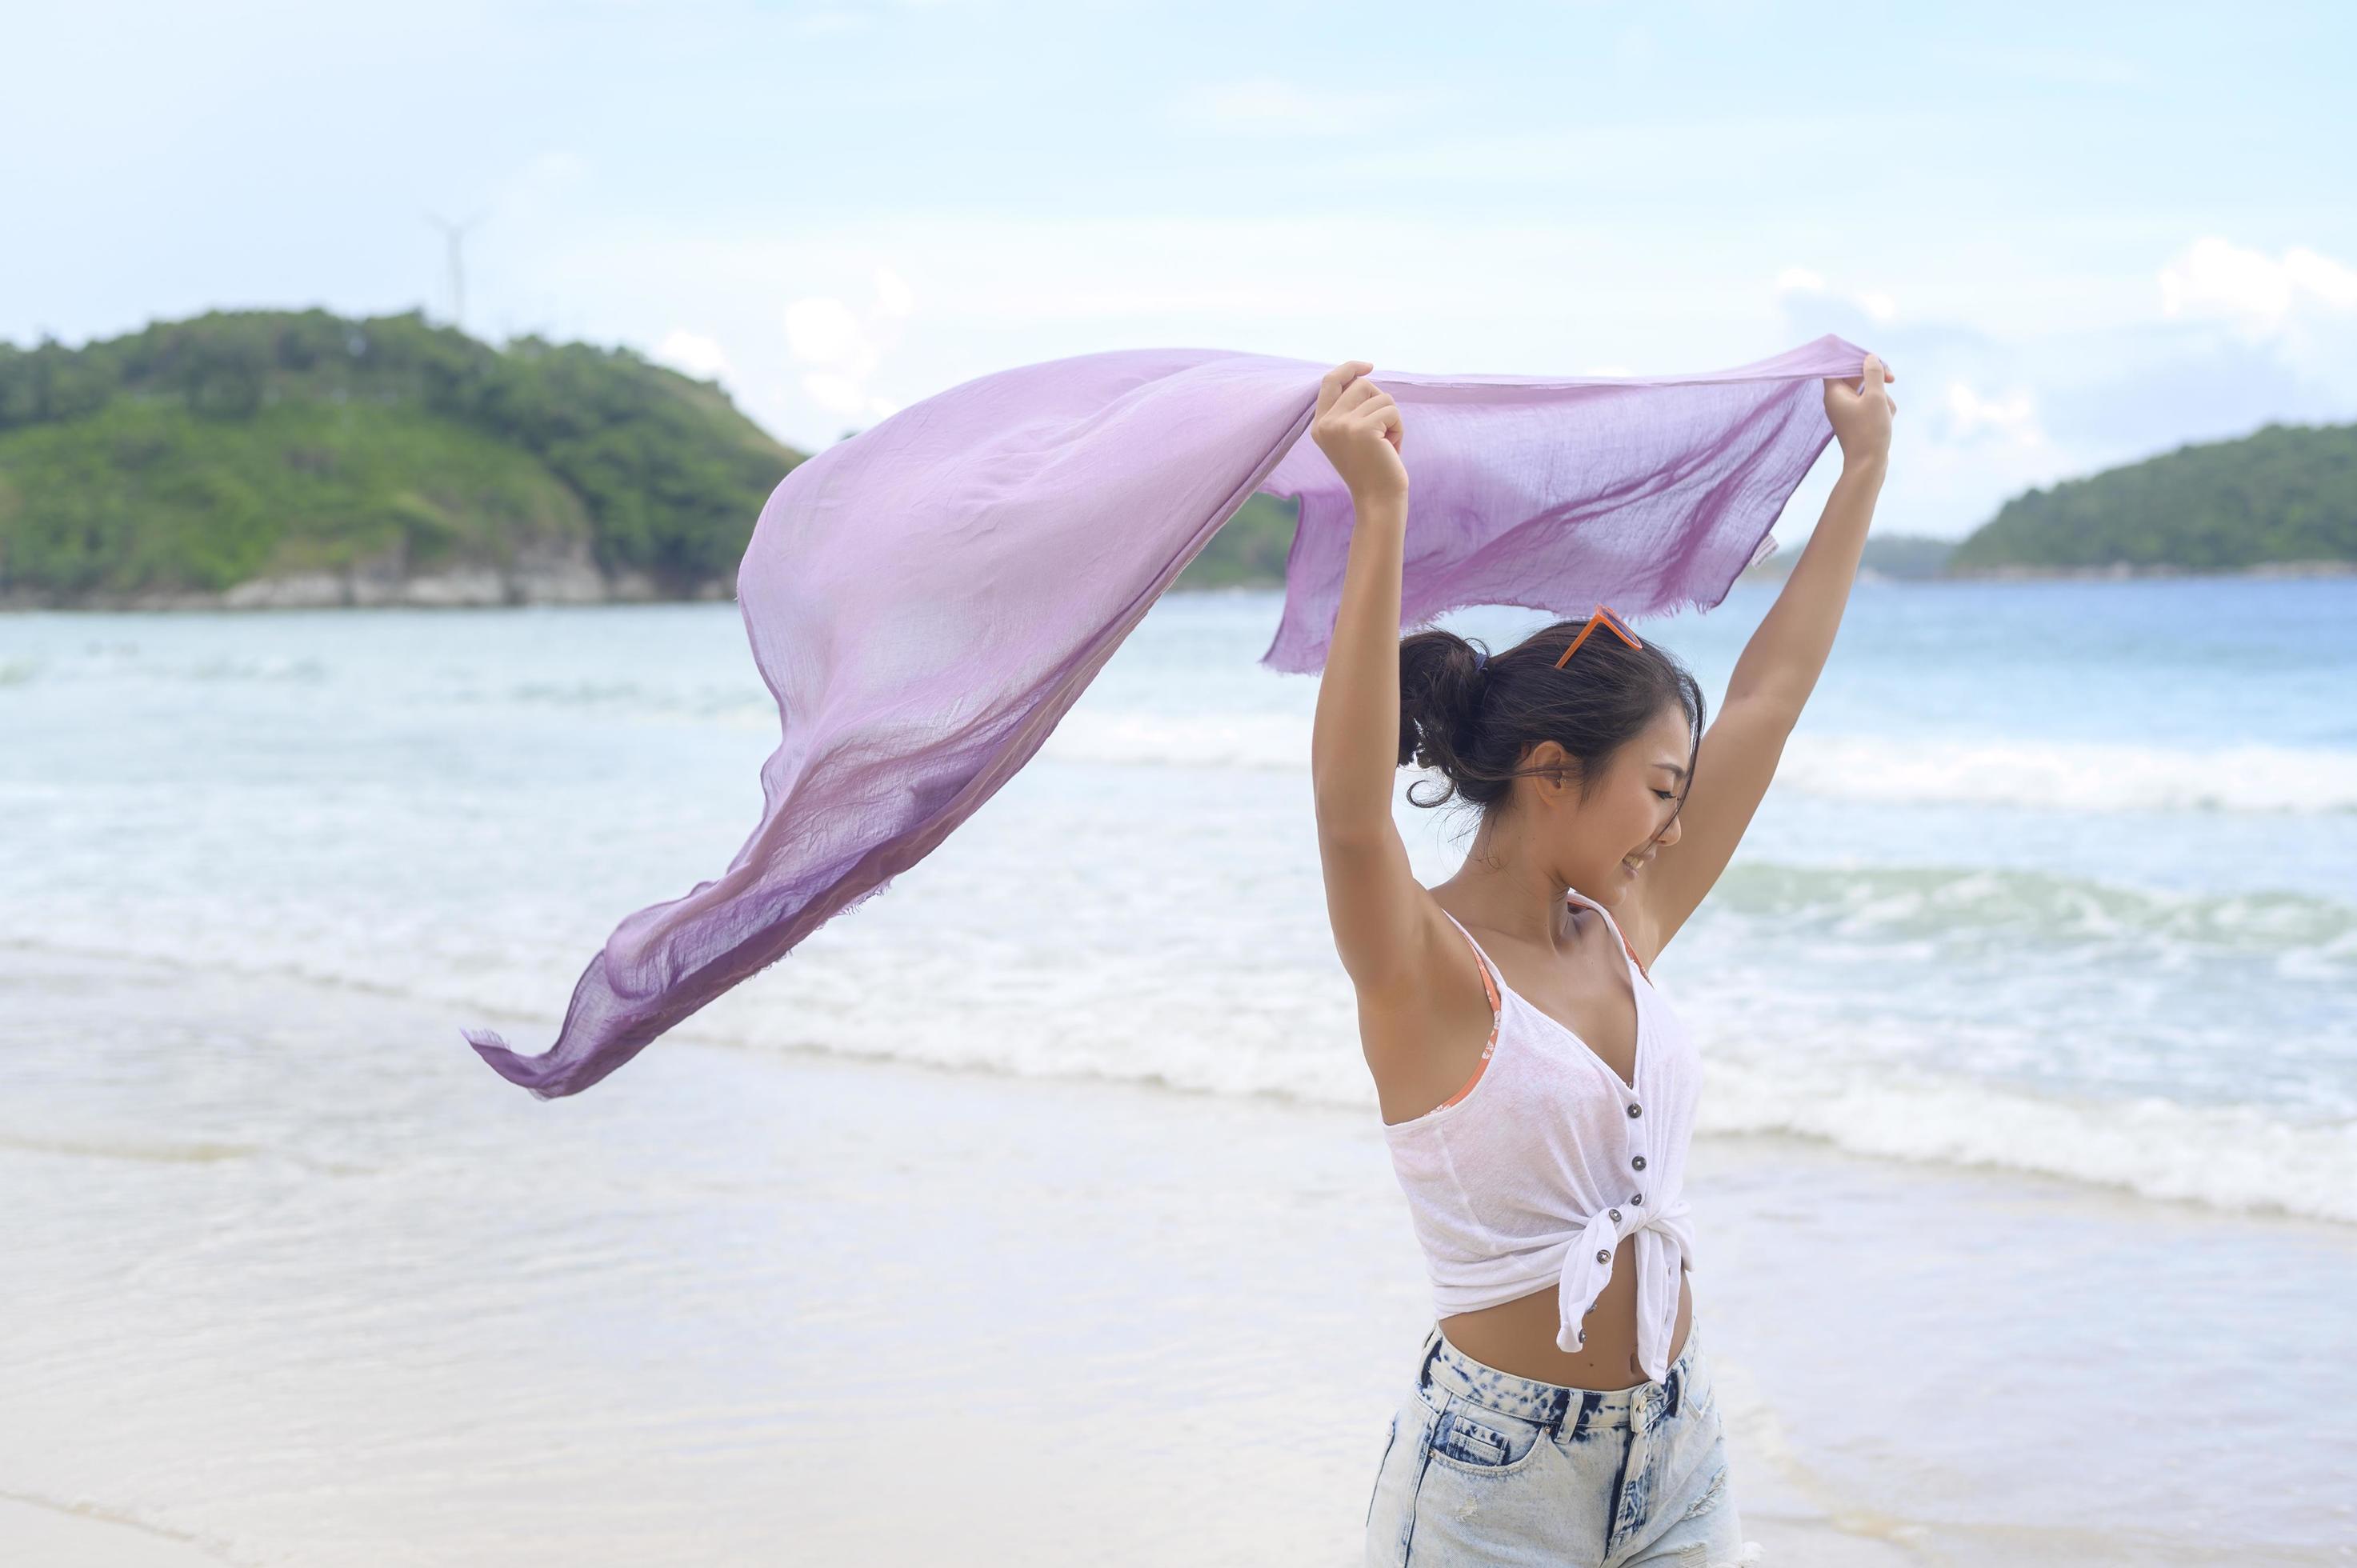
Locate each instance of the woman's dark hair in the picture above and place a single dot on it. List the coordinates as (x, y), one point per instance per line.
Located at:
(1471, 721)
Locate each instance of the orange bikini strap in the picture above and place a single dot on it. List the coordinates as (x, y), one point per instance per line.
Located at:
(1497, 1013)
(1481, 964)
(1625, 945)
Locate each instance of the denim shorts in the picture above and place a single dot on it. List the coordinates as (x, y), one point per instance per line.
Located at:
(1482, 1466)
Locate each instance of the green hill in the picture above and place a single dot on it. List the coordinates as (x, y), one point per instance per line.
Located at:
(302, 458)
(194, 457)
(1248, 551)
(2283, 494)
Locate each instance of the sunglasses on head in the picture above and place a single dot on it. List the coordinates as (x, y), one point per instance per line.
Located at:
(1603, 617)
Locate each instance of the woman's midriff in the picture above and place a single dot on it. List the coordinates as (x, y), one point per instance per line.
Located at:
(1518, 1335)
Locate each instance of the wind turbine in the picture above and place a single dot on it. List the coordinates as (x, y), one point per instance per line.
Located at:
(458, 271)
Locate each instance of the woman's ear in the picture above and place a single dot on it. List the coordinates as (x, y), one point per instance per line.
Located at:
(1555, 773)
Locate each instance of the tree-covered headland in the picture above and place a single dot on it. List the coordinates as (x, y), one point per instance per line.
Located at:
(2284, 494)
(200, 454)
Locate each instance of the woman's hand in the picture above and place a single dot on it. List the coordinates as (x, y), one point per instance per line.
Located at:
(1358, 427)
(1861, 414)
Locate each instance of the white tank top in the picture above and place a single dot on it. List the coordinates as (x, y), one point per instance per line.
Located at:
(1535, 1169)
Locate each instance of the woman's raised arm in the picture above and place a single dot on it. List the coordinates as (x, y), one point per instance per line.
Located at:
(1372, 895)
(1779, 666)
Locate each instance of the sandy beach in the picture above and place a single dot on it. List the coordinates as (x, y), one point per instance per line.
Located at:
(752, 1307)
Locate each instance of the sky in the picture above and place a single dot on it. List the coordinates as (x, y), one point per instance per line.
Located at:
(2081, 234)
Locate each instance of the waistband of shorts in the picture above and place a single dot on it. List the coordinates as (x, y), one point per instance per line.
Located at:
(1558, 1406)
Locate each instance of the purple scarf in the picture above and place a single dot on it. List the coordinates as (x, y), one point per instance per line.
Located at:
(927, 599)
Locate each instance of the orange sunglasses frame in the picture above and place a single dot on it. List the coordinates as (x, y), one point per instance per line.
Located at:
(1602, 617)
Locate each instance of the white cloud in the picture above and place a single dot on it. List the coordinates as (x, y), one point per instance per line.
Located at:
(2214, 278)
(843, 349)
(836, 394)
(1972, 414)
(824, 332)
(694, 353)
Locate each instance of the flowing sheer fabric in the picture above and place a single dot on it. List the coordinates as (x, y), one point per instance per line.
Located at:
(927, 598)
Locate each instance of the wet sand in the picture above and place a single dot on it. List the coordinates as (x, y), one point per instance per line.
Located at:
(744, 1306)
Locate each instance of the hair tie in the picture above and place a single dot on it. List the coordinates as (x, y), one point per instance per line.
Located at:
(1479, 658)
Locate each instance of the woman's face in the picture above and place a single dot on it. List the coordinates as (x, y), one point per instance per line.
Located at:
(1644, 785)
(1601, 845)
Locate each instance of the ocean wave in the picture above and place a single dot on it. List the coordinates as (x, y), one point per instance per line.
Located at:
(1959, 908)
(2075, 776)
(2063, 775)
(1295, 1044)
(2238, 1158)
(2070, 775)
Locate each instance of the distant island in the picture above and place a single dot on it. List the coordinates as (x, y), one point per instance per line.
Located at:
(2284, 497)
(297, 459)
(2282, 500)
(301, 459)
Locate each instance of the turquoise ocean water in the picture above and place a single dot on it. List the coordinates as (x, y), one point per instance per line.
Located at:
(2059, 877)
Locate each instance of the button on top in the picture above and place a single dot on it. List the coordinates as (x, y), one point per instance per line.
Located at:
(1636, 1109)
(1639, 1162)
(1602, 1256)
(1637, 1198)
(1616, 1215)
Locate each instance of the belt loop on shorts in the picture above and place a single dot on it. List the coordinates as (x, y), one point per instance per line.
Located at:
(1432, 1344)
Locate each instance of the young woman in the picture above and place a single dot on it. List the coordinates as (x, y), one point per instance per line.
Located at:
(1538, 1092)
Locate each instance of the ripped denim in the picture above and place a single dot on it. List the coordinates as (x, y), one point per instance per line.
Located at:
(1482, 1466)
